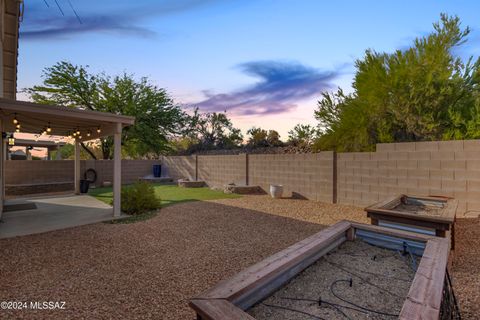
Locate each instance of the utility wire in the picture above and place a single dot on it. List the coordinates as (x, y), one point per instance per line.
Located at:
(59, 8)
(46, 3)
(75, 12)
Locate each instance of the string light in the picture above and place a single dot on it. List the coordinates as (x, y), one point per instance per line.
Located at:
(78, 131)
(79, 137)
(49, 129)
(18, 125)
(89, 133)
(15, 120)
(17, 130)
(99, 130)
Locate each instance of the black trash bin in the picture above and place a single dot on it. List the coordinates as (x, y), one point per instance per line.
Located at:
(157, 170)
(84, 185)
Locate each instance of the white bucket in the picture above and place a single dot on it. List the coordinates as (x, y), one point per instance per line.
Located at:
(276, 191)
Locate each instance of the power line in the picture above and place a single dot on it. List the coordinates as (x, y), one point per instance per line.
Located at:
(46, 3)
(75, 12)
(59, 8)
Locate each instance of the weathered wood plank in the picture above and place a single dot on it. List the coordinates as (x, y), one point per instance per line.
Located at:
(406, 219)
(218, 309)
(425, 294)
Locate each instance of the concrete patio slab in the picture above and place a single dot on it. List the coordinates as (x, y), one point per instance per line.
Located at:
(53, 213)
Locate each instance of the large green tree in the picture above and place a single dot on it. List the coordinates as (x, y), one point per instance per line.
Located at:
(425, 92)
(213, 130)
(157, 116)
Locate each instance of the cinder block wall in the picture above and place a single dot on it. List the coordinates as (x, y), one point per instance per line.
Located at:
(446, 168)
(179, 167)
(303, 175)
(219, 170)
(33, 172)
(21, 172)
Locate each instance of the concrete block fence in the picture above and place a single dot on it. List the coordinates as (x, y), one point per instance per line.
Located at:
(29, 176)
(304, 175)
(443, 168)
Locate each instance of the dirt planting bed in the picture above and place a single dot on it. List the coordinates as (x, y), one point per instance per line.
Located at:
(354, 281)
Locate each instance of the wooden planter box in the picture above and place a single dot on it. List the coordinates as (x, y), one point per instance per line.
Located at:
(398, 212)
(231, 297)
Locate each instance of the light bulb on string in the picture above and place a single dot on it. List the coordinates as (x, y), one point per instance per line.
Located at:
(78, 131)
(18, 125)
(99, 130)
(49, 129)
(15, 120)
(89, 133)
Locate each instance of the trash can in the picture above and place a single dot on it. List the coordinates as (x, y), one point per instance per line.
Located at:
(84, 184)
(157, 170)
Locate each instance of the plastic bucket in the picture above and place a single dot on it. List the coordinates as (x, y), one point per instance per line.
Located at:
(84, 185)
(157, 170)
(276, 191)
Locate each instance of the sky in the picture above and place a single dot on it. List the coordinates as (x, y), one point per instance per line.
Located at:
(266, 62)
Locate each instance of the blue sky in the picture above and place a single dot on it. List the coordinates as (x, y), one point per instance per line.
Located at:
(265, 61)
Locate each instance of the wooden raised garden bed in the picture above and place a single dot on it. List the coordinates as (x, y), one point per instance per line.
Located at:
(299, 272)
(428, 215)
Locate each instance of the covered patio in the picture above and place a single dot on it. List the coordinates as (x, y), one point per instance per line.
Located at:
(79, 126)
(42, 214)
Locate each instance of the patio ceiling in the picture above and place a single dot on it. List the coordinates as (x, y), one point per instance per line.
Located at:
(34, 118)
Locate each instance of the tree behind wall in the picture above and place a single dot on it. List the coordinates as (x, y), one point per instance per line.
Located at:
(156, 115)
(425, 92)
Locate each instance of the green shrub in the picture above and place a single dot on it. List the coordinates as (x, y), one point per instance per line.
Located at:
(139, 198)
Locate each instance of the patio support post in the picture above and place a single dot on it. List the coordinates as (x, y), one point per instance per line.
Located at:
(77, 167)
(117, 170)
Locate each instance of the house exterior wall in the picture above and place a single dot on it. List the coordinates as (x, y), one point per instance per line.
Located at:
(10, 10)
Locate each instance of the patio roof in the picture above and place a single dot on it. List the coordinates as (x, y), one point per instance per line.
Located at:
(38, 143)
(34, 117)
(63, 121)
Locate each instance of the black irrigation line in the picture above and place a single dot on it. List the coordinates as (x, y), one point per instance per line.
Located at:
(331, 304)
(293, 310)
(365, 280)
(351, 305)
(354, 304)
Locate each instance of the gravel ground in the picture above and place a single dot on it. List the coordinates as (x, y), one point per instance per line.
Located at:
(149, 270)
(466, 267)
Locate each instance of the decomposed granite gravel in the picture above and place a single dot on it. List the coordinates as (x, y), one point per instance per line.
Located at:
(149, 269)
